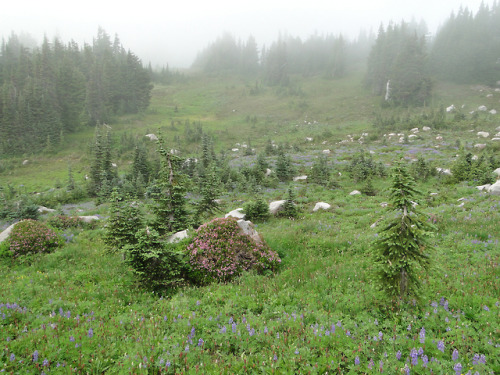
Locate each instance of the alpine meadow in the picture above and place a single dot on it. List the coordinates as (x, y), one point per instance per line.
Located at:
(313, 206)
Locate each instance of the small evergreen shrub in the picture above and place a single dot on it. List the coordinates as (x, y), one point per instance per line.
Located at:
(159, 266)
(30, 237)
(290, 209)
(124, 220)
(219, 252)
(256, 211)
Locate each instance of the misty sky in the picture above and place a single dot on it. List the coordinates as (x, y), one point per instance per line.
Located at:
(174, 31)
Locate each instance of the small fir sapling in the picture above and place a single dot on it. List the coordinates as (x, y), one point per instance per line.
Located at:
(401, 251)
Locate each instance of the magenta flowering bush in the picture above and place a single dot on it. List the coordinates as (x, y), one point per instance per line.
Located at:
(31, 236)
(219, 252)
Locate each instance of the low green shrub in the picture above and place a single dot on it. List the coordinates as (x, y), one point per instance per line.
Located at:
(64, 222)
(256, 211)
(31, 236)
(158, 265)
(219, 252)
(5, 250)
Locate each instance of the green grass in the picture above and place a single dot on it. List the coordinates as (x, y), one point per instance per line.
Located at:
(81, 307)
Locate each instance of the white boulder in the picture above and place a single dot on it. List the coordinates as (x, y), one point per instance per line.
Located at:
(355, 192)
(482, 108)
(446, 171)
(300, 178)
(426, 128)
(451, 108)
(268, 172)
(248, 229)
(45, 210)
(495, 188)
(152, 137)
(88, 219)
(483, 134)
(5, 234)
(483, 187)
(326, 152)
(238, 213)
(480, 146)
(493, 112)
(276, 206)
(179, 236)
(497, 172)
(321, 206)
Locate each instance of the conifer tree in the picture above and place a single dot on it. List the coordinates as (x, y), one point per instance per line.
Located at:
(170, 202)
(401, 252)
(210, 191)
(284, 168)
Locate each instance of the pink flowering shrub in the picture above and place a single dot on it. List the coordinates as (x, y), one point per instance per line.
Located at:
(31, 236)
(219, 252)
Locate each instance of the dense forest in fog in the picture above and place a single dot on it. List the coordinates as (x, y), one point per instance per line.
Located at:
(54, 89)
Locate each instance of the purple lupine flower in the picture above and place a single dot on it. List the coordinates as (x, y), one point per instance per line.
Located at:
(45, 362)
(406, 369)
(265, 329)
(356, 360)
(34, 357)
(414, 357)
(223, 329)
(275, 358)
(482, 359)
(375, 322)
(425, 360)
(186, 349)
(370, 364)
(486, 308)
(90, 333)
(440, 346)
(72, 339)
(409, 327)
(12, 357)
(200, 342)
(380, 335)
(233, 327)
(422, 335)
(381, 366)
(454, 355)
(296, 351)
(167, 364)
(475, 360)
(398, 355)
(420, 351)
(348, 333)
(165, 318)
(458, 368)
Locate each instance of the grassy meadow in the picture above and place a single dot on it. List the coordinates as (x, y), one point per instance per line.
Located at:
(80, 309)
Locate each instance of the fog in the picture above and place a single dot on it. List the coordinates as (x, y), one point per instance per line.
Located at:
(174, 32)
